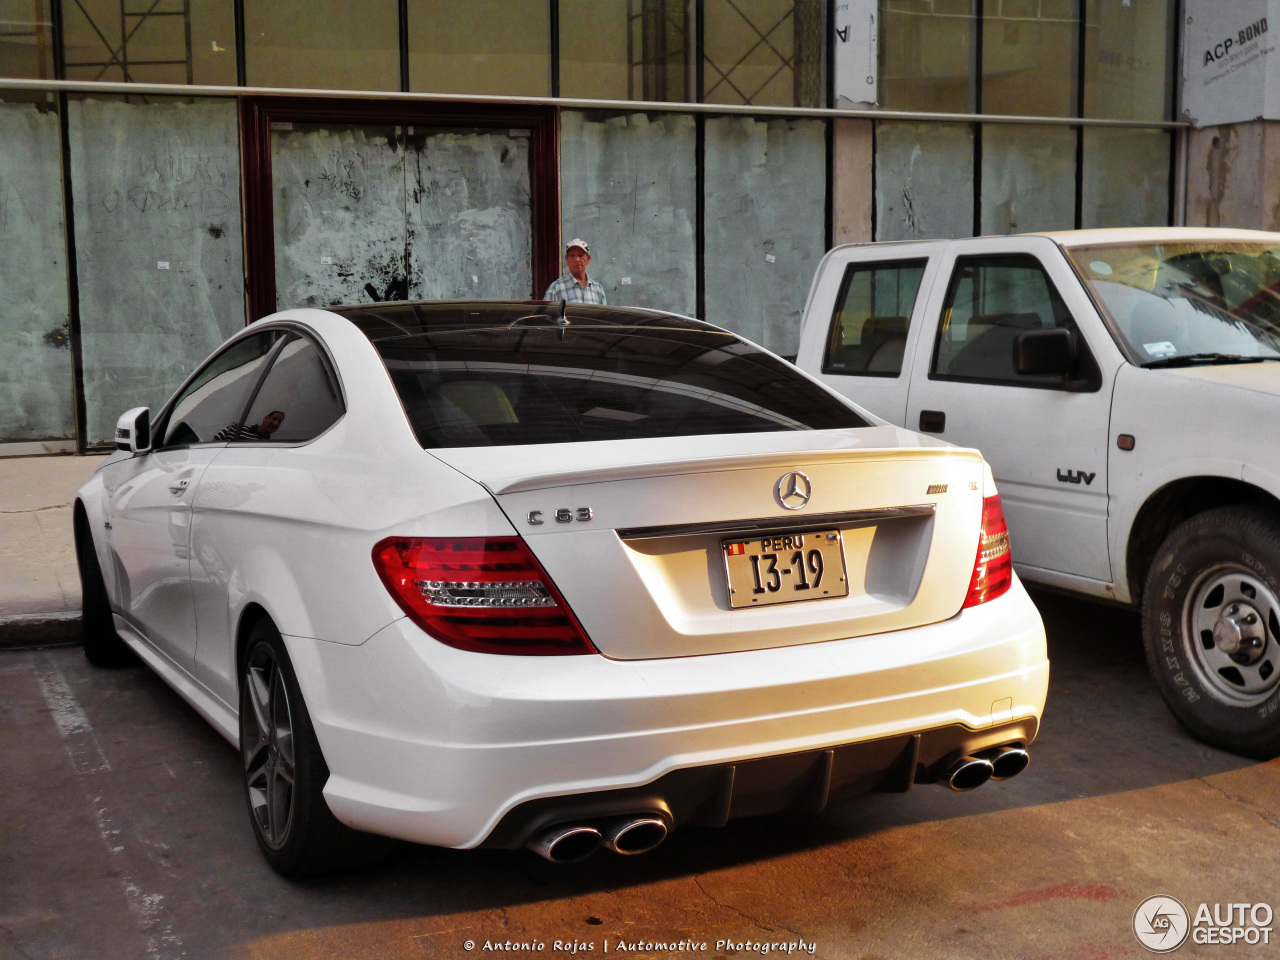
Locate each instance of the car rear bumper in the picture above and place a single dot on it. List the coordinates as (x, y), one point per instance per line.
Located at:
(441, 746)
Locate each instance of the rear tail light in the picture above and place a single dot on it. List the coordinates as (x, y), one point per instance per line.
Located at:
(993, 569)
(486, 594)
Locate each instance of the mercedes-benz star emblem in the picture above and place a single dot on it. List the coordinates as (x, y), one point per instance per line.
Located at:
(793, 490)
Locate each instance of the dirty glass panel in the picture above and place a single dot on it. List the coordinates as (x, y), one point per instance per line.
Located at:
(627, 49)
(628, 187)
(36, 373)
(1128, 64)
(1126, 178)
(339, 214)
(470, 224)
(26, 39)
(157, 41)
(924, 180)
(322, 44)
(481, 46)
(1029, 57)
(765, 224)
(926, 55)
(1028, 178)
(764, 52)
(158, 245)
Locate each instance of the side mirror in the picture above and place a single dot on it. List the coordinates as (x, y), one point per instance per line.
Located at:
(1045, 351)
(133, 430)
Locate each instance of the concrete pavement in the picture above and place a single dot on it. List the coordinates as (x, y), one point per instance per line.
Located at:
(38, 576)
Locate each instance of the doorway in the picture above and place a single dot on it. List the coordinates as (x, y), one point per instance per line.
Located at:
(358, 202)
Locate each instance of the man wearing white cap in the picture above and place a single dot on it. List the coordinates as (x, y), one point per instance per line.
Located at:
(574, 286)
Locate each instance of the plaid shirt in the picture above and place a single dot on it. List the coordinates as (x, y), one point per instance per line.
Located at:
(567, 288)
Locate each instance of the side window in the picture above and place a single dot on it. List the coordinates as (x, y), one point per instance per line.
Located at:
(219, 392)
(298, 400)
(991, 301)
(873, 312)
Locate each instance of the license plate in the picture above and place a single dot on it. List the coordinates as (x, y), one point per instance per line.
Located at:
(785, 568)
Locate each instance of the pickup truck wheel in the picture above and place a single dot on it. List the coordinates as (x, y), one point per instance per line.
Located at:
(1211, 625)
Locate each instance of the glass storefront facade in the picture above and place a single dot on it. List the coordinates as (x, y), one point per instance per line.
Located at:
(133, 254)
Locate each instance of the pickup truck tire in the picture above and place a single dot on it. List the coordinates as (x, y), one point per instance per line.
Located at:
(1211, 626)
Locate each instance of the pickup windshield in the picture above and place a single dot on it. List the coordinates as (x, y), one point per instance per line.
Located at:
(1206, 301)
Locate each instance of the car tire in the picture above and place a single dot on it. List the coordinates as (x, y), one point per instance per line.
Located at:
(285, 771)
(102, 645)
(1211, 626)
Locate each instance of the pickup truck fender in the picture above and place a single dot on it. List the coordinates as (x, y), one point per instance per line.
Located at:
(1183, 461)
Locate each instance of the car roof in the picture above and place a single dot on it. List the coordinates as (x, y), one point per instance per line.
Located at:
(438, 316)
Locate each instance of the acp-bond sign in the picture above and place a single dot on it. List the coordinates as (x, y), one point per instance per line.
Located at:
(1230, 69)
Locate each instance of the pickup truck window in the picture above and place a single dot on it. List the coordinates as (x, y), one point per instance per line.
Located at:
(868, 332)
(1188, 301)
(991, 300)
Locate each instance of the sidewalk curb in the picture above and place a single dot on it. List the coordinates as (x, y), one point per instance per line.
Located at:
(28, 631)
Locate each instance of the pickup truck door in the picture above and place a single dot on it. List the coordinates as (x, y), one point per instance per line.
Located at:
(1045, 439)
(863, 320)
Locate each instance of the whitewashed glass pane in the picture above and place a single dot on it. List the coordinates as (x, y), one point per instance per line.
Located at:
(339, 213)
(1126, 178)
(924, 181)
(366, 213)
(1028, 178)
(158, 245)
(628, 187)
(470, 214)
(36, 372)
(765, 224)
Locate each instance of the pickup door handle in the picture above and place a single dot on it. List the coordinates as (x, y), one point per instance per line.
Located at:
(932, 421)
(179, 487)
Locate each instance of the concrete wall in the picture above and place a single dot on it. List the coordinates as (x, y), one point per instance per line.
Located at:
(1233, 176)
(852, 196)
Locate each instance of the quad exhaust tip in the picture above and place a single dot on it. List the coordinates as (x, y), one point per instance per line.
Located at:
(634, 835)
(567, 844)
(627, 836)
(969, 773)
(1009, 762)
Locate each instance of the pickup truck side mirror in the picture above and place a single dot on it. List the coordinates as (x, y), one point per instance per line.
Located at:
(133, 430)
(1050, 351)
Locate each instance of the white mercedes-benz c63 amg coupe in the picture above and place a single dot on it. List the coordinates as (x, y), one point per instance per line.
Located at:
(515, 574)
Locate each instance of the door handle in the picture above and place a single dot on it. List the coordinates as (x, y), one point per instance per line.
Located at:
(179, 487)
(932, 421)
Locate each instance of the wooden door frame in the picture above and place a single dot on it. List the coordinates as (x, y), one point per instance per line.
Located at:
(258, 113)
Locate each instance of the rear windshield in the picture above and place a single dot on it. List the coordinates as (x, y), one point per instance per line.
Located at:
(547, 384)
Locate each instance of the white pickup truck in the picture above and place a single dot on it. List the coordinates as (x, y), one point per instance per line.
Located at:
(1123, 385)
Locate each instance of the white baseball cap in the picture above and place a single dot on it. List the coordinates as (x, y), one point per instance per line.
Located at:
(577, 242)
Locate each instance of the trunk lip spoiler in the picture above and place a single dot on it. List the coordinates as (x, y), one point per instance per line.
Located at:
(605, 473)
(777, 524)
